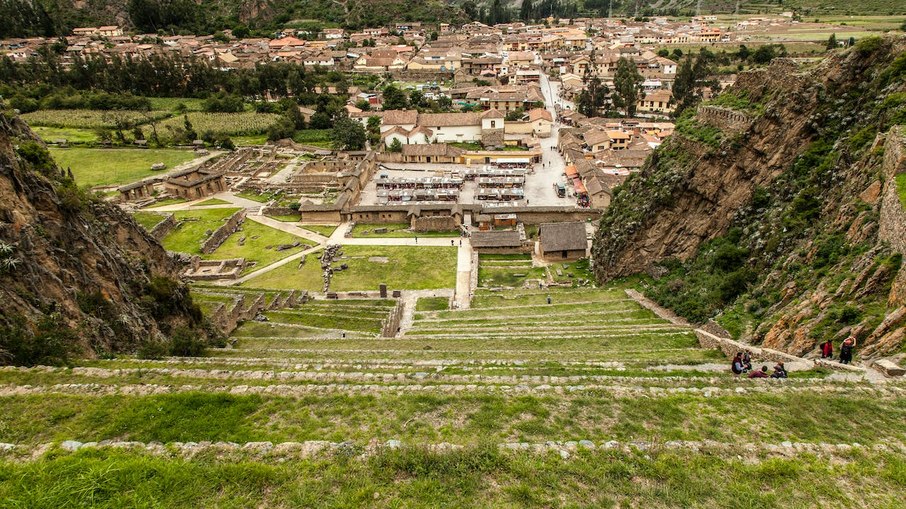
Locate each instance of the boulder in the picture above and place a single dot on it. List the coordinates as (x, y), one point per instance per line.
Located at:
(889, 368)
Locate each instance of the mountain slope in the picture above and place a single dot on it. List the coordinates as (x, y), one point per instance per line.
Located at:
(76, 275)
(765, 210)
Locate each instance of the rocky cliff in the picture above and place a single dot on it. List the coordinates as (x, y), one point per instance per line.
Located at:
(76, 275)
(773, 209)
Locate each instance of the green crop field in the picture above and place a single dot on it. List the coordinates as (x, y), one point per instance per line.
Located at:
(72, 135)
(232, 124)
(400, 267)
(104, 167)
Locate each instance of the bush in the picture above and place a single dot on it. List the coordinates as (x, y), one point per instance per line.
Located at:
(51, 343)
(185, 342)
(36, 154)
(224, 103)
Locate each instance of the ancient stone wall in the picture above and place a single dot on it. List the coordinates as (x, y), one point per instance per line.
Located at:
(391, 324)
(279, 211)
(164, 227)
(434, 223)
(892, 224)
(220, 234)
(724, 119)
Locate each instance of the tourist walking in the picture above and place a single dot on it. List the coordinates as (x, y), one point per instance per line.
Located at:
(846, 350)
(827, 349)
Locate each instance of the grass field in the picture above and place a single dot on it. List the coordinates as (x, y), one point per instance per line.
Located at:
(212, 201)
(193, 227)
(395, 230)
(101, 167)
(322, 229)
(148, 220)
(259, 245)
(400, 267)
(71, 134)
(89, 119)
(172, 103)
(292, 276)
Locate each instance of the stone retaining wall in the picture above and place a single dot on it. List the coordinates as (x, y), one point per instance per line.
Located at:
(220, 234)
(163, 228)
(434, 224)
(724, 118)
(280, 211)
(391, 324)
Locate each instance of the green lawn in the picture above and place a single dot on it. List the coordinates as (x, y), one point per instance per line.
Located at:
(400, 267)
(292, 276)
(259, 246)
(148, 220)
(395, 230)
(432, 304)
(901, 188)
(286, 219)
(193, 227)
(70, 134)
(98, 167)
(482, 476)
(322, 229)
(167, 201)
(258, 197)
(212, 201)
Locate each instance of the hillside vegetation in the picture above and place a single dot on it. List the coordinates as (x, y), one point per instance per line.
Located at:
(778, 228)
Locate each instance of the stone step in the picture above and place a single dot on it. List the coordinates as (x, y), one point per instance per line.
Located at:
(280, 452)
(302, 390)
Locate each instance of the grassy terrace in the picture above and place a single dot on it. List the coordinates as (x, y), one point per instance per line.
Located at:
(593, 365)
(193, 227)
(304, 274)
(116, 166)
(259, 244)
(400, 267)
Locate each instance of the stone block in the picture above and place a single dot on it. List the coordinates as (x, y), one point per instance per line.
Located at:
(889, 368)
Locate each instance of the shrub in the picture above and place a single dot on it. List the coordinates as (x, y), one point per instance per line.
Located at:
(185, 342)
(50, 343)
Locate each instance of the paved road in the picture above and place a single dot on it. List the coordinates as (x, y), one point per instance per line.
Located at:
(553, 165)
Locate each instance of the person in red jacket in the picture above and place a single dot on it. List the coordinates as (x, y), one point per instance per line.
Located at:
(827, 349)
(761, 373)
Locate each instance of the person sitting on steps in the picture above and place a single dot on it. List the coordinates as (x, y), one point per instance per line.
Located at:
(761, 373)
(779, 371)
(747, 361)
(736, 365)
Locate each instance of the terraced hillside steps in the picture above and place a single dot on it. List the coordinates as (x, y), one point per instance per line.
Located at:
(580, 397)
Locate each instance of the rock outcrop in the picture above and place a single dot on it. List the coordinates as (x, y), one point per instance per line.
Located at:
(772, 225)
(75, 264)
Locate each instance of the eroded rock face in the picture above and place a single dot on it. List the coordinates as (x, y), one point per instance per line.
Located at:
(691, 192)
(67, 247)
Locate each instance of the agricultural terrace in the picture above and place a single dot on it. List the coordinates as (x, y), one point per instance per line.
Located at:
(231, 124)
(395, 230)
(116, 166)
(589, 396)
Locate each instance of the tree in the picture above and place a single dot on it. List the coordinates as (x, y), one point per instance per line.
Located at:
(525, 13)
(764, 54)
(395, 146)
(394, 98)
(347, 134)
(594, 95)
(281, 129)
(191, 135)
(832, 42)
(374, 129)
(416, 99)
(663, 52)
(294, 115)
(743, 52)
(627, 85)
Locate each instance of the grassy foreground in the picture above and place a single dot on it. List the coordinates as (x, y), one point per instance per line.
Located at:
(483, 476)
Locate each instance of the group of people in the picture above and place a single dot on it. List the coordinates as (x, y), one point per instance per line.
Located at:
(846, 350)
(742, 364)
